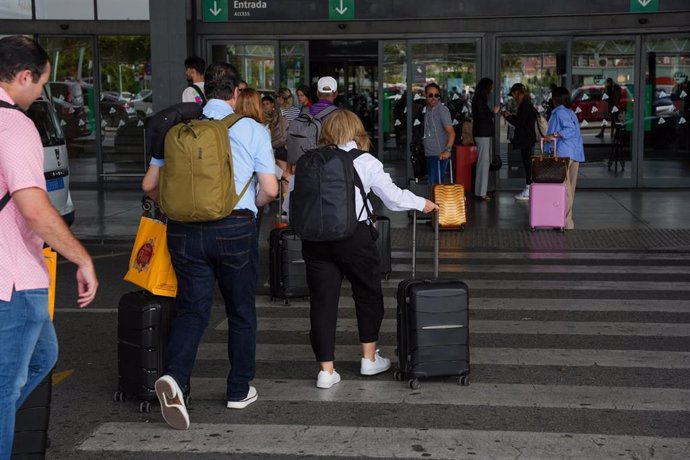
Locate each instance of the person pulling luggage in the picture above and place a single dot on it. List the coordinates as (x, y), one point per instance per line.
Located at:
(354, 257)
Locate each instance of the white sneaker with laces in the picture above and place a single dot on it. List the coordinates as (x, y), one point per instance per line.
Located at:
(252, 396)
(172, 402)
(378, 365)
(326, 380)
(524, 195)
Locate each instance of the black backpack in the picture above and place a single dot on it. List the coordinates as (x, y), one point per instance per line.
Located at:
(322, 203)
(159, 124)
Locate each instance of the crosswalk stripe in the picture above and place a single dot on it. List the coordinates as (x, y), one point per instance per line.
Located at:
(500, 327)
(460, 267)
(571, 256)
(375, 442)
(576, 285)
(504, 303)
(448, 393)
(494, 356)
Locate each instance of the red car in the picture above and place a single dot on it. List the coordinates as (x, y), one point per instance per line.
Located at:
(589, 102)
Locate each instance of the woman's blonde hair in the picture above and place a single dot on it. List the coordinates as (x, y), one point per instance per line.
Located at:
(286, 95)
(343, 126)
(249, 104)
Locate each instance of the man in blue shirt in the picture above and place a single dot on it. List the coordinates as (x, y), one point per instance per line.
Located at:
(224, 250)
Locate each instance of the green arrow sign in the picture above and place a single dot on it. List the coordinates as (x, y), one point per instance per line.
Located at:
(644, 6)
(215, 10)
(341, 9)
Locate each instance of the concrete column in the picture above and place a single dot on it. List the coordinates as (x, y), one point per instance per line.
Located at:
(168, 21)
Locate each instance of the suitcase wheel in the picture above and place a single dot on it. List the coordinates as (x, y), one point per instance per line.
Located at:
(414, 384)
(145, 407)
(397, 375)
(533, 229)
(562, 230)
(464, 381)
(119, 396)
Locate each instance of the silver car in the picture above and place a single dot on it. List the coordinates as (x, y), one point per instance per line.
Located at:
(55, 160)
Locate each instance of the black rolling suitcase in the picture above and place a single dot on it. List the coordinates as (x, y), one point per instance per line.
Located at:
(432, 325)
(143, 329)
(287, 271)
(31, 423)
(383, 243)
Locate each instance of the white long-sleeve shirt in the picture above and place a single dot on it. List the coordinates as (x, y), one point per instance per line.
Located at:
(376, 180)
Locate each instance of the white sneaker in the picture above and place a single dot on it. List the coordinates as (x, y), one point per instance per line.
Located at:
(250, 398)
(524, 195)
(378, 365)
(326, 379)
(172, 403)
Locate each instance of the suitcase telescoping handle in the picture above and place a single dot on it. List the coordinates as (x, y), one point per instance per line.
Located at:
(414, 244)
(541, 144)
(438, 166)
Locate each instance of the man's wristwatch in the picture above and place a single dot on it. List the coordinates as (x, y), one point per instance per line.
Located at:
(447, 149)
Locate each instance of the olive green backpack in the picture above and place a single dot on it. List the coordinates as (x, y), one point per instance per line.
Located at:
(197, 182)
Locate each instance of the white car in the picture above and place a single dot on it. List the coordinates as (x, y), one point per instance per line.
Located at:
(55, 160)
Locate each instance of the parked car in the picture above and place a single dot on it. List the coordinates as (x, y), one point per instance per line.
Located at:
(116, 109)
(589, 103)
(143, 103)
(55, 159)
(68, 99)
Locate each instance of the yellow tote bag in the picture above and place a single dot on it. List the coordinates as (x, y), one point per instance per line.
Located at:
(51, 263)
(149, 264)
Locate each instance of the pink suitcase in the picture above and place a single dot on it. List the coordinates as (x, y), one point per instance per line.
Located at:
(547, 206)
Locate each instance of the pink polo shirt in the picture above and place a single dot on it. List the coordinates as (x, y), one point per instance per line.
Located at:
(21, 166)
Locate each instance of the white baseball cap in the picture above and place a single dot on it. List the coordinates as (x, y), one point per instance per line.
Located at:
(327, 85)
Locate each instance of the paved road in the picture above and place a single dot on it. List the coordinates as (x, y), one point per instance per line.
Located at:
(575, 354)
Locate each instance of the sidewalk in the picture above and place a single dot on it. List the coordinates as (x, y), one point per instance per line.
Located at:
(604, 219)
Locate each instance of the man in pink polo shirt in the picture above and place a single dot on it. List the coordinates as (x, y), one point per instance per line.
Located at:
(29, 343)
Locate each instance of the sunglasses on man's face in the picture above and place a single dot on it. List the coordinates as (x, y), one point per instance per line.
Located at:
(434, 95)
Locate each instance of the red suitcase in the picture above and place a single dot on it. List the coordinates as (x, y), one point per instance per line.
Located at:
(547, 205)
(465, 157)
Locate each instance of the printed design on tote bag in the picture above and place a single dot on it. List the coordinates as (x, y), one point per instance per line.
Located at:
(144, 256)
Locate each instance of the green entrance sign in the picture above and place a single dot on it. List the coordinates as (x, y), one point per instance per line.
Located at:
(339, 10)
(644, 6)
(215, 10)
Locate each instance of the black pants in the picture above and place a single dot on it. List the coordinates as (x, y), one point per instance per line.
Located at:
(357, 258)
(527, 163)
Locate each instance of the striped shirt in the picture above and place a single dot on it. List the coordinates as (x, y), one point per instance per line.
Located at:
(22, 265)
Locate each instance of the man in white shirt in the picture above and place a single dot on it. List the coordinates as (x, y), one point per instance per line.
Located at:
(194, 68)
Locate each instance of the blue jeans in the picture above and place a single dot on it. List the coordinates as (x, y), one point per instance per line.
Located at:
(225, 250)
(433, 169)
(29, 352)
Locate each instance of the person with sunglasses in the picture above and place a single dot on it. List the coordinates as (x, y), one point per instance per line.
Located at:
(439, 134)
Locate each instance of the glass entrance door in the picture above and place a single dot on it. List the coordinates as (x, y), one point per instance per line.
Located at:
(539, 65)
(354, 65)
(667, 112)
(357, 90)
(603, 85)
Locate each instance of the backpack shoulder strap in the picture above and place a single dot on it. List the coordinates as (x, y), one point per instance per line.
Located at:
(201, 93)
(358, 182)
(5, 199)
(325, 112)
(229, 121)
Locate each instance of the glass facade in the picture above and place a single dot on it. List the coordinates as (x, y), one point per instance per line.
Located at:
(666, 108)
(65, 9)
(603, 86)
(537, 64)
(629, 90)
(71, 90)
(125, 102)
